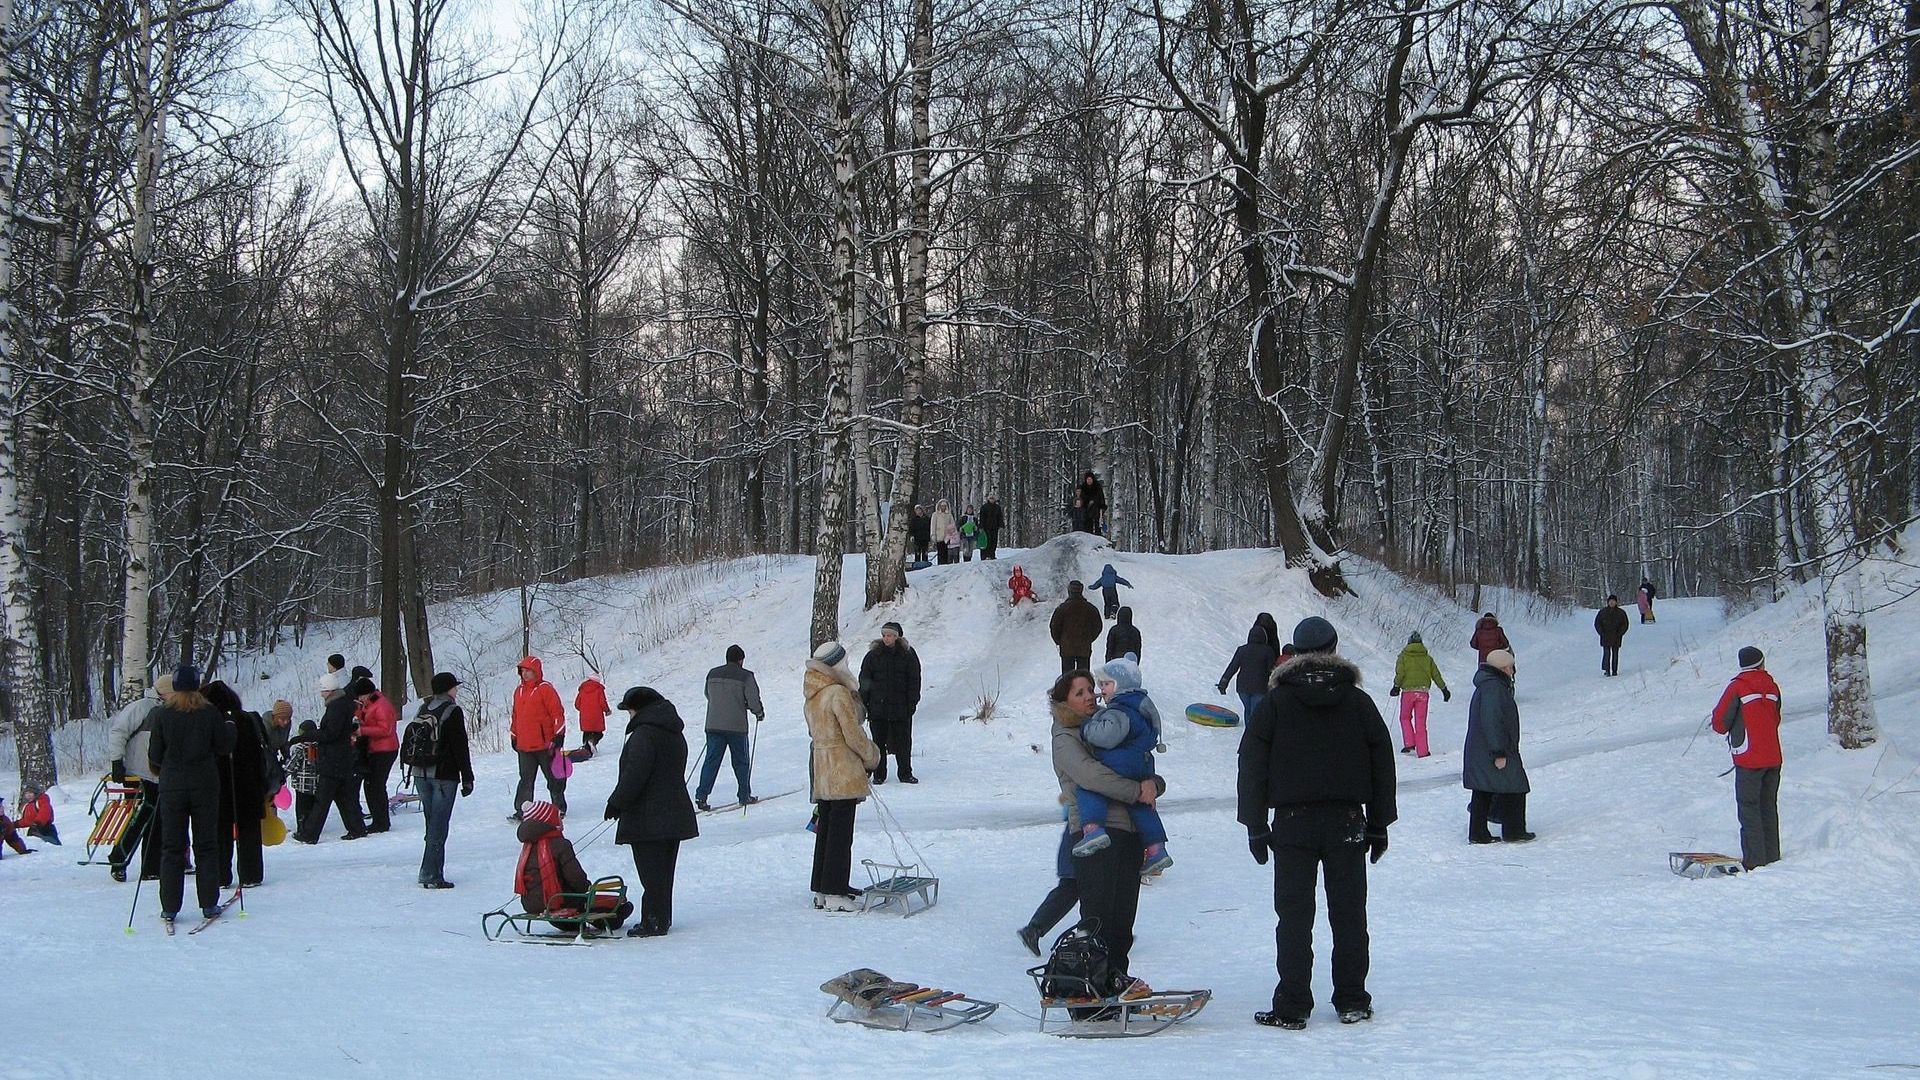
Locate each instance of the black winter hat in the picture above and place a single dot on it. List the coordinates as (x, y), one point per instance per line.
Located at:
(360, 688)
(361, 671)
(1074, 588)
(1751, 657)
(186, 678)
(638, 697)
(893, 626)
(444, 681)
(1315, 634)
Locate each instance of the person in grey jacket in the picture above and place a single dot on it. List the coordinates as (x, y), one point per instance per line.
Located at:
(1490, 762)
(732, 693)
(127, 737)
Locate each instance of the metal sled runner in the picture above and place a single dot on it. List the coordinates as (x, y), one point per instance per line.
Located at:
(579, 916)
(1702, 864)
(866, 997)
(1120, 1018)
(906, 889)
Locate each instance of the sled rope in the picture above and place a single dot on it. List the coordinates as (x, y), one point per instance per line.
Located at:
(890, 825)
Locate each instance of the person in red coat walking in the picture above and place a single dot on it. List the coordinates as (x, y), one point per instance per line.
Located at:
(378, 735)
(1488, 636)
(539, 731)
(1748, 714)
(590, 702)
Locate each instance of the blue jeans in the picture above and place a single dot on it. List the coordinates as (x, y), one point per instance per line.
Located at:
(734, 744)
(1248, 703)
(436, 798)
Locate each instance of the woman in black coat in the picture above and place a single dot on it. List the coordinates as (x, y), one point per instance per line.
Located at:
(243, 794)
(190, 735)
(651, 803)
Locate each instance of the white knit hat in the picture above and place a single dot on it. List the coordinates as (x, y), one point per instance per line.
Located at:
(830, 653)
(333, 681)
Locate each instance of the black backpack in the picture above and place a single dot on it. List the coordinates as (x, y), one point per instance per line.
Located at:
(420, 742)
(1078, 966)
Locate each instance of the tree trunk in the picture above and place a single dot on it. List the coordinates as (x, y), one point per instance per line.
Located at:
(829, 540)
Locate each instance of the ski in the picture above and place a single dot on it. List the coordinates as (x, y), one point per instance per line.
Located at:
(219, 911)
(736, 805)
(167, 924)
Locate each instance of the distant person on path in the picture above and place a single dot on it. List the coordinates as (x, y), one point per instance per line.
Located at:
(539, 731)
(590, 705)
(451, 772)
(1748, 714)
(890, 690)
(1413, 673)
(335, 782)
(379, 739)
(969, 533)
(1647, 595)
(1123, 638)
(842, 757)
(1122, 736)
(732, 693)
(189, 736)
(127, 738)
(945, 533)
(1021, 586)
(1610, 622)
(36, 814)
(650, 802)
(1316, 794)
(1250, 670)
(1093, 504)
(992, 520)
(1488, 636)
(1109, 584)
(1490, 764)
(1074, 626)
(919, 533)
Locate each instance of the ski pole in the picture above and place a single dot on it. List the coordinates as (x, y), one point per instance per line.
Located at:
(753, 749)
(696, 766)
(137, 879)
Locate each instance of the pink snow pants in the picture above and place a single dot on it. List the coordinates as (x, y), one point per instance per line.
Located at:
(1413, 720)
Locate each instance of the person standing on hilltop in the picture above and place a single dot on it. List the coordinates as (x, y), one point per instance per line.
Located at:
(1093, 504)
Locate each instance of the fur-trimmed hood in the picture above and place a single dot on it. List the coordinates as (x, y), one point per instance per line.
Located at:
(819, 676)
(1064, 715)
(1316, 678)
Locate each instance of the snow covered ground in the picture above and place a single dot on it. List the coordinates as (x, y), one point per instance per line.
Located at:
(1578, 955)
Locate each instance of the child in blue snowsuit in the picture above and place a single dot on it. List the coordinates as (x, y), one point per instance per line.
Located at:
(1122, 737)
(1108, 583)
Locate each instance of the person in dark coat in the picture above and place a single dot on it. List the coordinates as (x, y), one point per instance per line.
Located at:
(1610, 623)
(1264, 621)
(890, 689)
(920, 533)
(437, 784)
(336, 783)
(1074, 626)
(1249, 669)
(1093, 504)
(1123, 637)
(1488, 636)
(650, 802)
(243, 795)
(1316, 794)
(1490, 764)
(189, 736)
(992, 520)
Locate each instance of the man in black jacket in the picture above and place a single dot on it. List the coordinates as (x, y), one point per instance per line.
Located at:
(1123, 637)
(920, 533)
(890, 687)
(1317, 756)
(451, 771)
(337, 784)
(1611, 624)
(992, 520)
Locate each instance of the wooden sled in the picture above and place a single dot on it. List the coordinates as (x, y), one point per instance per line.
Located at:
(906, 890)
(575, 917)
(113, 817)
(864, 996)
(1703, 864)
(1120, 1018)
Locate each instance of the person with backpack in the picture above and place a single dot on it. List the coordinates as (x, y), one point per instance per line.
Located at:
(1413, 673)
(243, 793)
(992, 520)
(1488, 636)
(127, 737)
(590, 704)
(649, 800)
(1748, 714)
(378, 739)
(1123, 638)
(539, 731)
(1610, 622)
(434, 752)
(335, 782)
(190, 734)
(732, 693)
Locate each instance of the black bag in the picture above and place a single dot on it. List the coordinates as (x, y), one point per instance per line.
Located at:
(420, 742)
(272, 773)
(1079, 966)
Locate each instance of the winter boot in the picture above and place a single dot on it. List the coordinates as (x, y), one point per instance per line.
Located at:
(1095, 839)
(1030, 938)
(701, 804)
(1355, 1016)
(1157, 862)
(1274, 1019)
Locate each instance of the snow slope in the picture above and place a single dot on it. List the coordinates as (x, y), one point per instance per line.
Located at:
(1578, 955)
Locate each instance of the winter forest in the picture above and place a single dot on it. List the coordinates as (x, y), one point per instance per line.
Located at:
(314, 310)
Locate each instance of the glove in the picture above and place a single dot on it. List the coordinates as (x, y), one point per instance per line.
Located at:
(1376, 844)
(466, 789)
(610, 813)
(119, 773)
(558, 742)
(1446, 694)
(1395, 692)
(1257, 843)
(1222, 688)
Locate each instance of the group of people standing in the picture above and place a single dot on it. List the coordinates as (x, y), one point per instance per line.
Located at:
(955, 539)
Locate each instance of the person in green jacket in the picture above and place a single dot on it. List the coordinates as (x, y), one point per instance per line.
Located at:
(1413, 673)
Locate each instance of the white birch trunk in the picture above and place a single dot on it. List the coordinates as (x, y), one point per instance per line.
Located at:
(828, 553)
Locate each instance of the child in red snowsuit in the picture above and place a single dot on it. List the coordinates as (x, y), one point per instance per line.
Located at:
(36, 815)
(1022, 586)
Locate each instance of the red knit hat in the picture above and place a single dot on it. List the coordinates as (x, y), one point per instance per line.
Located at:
(544, 812)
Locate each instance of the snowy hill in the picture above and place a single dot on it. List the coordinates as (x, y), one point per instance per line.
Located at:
(1578, 955)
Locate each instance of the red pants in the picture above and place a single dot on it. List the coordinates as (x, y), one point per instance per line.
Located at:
(1413, 720)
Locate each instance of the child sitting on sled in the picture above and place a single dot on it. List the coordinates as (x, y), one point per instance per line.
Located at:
(1022, 586)
(1123, 737)
(548, 868)
(36, 815)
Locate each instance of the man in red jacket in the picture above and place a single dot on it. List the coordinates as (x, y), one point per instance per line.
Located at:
(539, 731)
(1749, 716)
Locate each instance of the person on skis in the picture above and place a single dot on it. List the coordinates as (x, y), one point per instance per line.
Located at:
(732, 693)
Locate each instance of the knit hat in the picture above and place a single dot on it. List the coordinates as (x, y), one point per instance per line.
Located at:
(333, 681)
(893, 626)
(830, 653)
(163, 686)
(444, 681)
(360, 688)
(186, 677)
(544, 812)
(638, 697)
(1751, 658)
(1124, 674)
(283, 712)
(1501, 659)
(1315, 634)
(1414, 638)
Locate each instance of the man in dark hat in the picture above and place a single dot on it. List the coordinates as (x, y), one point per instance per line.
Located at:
(450, 771)
(1748, 714)
(1317, 789)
